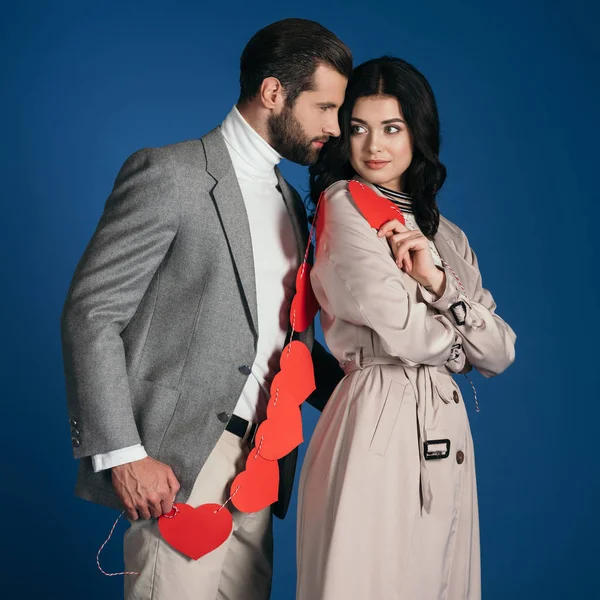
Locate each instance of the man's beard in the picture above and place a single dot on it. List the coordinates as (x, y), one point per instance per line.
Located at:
(289, 139)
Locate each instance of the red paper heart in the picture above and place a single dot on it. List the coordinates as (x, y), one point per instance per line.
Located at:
(284, 386)
(280, 402)
(258, 486)
(374, 208)
(196, 531)
(304, 304)
(277, 437)
(297, 366)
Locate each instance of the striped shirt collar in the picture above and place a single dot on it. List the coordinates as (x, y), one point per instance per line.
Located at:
(402, 200)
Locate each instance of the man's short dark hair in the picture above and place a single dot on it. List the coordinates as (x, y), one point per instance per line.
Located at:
(291, 50)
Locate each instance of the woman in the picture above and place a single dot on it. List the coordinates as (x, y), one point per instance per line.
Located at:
(388, 503)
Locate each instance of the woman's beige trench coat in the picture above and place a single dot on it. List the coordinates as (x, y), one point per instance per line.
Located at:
(382, 514)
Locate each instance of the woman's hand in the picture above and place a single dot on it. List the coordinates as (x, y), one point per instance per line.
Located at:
(413, 255)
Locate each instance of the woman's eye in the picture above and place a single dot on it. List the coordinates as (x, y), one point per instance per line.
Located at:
(356, 129)
(392, 129)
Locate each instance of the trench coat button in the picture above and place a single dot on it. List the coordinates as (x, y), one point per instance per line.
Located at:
(223, 417)
(76, 443)
(455, 397)
(245, 370)
(460, 457)
(73, 422)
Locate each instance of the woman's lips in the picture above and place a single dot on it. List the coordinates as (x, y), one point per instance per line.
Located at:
(376, 164)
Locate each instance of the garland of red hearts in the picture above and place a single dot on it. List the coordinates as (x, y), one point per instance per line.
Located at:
(197, 531)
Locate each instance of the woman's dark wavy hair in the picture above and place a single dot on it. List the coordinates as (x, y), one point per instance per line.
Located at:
(388, 76)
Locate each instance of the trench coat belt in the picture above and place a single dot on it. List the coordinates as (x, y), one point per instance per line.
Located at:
(425, 382)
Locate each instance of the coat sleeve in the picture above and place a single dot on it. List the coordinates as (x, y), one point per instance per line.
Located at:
(360, 283)
(488, 341)
(139, 222)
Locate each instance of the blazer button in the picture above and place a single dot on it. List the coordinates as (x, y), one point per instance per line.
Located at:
(76, 443)
(245, 370)
(75, 433)
(73, 422)
(460, 457)
(223, 417)
(455, 397)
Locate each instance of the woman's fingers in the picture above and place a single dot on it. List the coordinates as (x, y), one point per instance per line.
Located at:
(406, 244)
(388, 229)
(405, 262)
(408, 263)
(396, 238)
(403, 245)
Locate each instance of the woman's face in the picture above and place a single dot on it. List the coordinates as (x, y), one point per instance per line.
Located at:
(380, 143)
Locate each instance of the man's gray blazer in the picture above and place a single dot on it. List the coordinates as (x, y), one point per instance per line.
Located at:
(160, 325)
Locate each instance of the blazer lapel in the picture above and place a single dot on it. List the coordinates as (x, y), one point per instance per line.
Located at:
(297, 214)
(229, 202)
(300, 225)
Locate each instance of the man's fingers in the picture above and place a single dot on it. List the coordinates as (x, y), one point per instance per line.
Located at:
(167, 505)
(154, 502)
(156, 510)
(172, 481)
(131, 512)
(143, 511)
(169, 496)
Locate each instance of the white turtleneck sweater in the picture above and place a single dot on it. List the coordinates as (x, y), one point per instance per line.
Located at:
(275, 265)
(275, 253)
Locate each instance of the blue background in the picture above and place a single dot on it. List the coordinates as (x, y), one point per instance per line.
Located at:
(84, 84)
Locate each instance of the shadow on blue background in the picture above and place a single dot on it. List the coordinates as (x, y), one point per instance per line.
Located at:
(86, 84)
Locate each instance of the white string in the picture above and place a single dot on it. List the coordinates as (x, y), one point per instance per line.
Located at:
(474, 392)
(227, 501)
(455, 275)
(465, 293)
(104, 544)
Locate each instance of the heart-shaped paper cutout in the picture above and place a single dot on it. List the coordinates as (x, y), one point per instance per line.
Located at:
(297, 367)
(275, 438)
(304, 304)
(196, 531)
(376, 209)
(280, 402)
(258, 486)
(284, 386)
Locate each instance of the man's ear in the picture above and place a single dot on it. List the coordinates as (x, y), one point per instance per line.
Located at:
(272, 95)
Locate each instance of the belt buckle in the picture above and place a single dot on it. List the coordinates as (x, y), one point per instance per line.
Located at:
(436, 454)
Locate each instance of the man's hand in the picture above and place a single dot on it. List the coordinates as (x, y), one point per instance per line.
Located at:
(145, 487)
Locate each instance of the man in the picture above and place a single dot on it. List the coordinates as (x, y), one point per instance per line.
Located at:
(179, 309)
